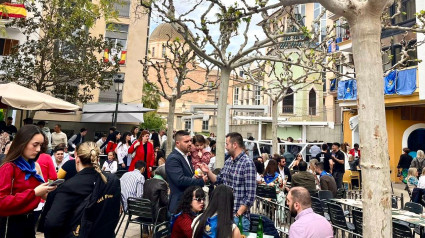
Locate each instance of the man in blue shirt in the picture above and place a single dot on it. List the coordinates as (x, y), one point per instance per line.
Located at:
(238, 173)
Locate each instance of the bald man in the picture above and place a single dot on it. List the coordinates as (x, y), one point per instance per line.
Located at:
(307, 223)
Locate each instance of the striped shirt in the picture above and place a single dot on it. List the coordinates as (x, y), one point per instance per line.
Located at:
(131, 186)
(240, 174)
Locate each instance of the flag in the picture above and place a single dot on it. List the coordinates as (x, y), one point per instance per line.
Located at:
(13, 10)
(123, 57)
(106, 56)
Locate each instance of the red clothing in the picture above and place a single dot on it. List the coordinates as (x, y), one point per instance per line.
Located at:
(140, 155)
(182, 226)
(47, 167)
(111, 146)
(23, 199)
(198, 160)
(353, 153)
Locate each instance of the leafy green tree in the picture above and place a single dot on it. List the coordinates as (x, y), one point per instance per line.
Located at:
(152, 121)
(151, 97)
(60, 55)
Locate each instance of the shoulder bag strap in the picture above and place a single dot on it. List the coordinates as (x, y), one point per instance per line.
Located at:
(11, 192)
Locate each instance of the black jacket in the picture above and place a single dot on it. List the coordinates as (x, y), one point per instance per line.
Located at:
(83, 206)
(179, 177)
(156, 190)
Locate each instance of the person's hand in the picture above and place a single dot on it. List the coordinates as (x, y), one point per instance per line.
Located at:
(150, 169)
(123, 165)
(204, 168)
(205, 178)
(43, 189)
(137, 144)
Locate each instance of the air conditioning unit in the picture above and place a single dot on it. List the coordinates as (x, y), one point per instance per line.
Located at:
(346, 58)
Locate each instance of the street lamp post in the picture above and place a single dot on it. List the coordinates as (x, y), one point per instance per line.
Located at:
(118, 84)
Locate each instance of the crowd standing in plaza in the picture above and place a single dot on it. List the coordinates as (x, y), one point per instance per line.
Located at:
(200, 199)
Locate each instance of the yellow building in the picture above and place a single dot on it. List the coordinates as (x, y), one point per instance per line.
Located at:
(405, 111)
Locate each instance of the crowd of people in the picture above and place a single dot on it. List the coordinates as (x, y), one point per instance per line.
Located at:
(200, 200)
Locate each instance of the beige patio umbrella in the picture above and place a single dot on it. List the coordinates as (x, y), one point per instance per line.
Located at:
(19, 97)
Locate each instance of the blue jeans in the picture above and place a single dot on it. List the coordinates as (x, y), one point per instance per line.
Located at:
(245, 222)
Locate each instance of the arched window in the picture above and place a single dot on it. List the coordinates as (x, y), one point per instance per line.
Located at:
(312, 102)
(288, 102)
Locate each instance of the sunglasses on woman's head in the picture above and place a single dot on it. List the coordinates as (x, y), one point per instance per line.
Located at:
(199, 199)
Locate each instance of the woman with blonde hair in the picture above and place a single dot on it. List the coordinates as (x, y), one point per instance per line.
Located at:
(412, 178)
(88, 204)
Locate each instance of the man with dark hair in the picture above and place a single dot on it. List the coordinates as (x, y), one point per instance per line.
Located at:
(283, 169)
(28, 121)
(9, 127)
(304, 179)
(339, 159)
(327, 182)
(132, 183)
(307, 223)
(239, 173)
(325, 158)
(58, 157)
(355, 152)
(76, 139)
(179, 169)
(58, 136)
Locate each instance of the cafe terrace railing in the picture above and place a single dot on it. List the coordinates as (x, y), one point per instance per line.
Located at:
(281, 217)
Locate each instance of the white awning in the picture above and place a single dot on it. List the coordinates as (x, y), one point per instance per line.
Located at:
(262, 119)
(204, 117)
(103, 112)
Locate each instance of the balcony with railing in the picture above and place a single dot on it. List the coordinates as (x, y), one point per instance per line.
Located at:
(287, 109)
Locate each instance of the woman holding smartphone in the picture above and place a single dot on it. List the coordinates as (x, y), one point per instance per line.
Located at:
(21, 183)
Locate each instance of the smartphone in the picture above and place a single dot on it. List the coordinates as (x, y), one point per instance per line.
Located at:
(57, 182)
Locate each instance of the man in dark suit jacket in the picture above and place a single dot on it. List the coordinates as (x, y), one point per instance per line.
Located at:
(283, 169)
(180, 173)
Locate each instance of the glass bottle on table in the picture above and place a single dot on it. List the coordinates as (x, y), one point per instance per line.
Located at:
(240, 225)
(260, 228)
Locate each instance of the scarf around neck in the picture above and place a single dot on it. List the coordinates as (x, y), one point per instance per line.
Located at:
(28, 168)
(270, 178)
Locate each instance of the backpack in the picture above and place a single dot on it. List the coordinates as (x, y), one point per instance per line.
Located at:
(98, 214)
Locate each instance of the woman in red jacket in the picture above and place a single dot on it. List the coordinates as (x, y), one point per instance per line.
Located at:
(144, 151)
(113, 142)
(21, 183)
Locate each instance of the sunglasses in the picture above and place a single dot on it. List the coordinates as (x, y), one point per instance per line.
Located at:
(199, 199)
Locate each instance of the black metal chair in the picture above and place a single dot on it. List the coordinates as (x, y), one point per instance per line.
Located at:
(401, 230)
(414, 207)
(265, 191)
(325, 195)
(358, 221)
(338, 218)
(341, 193)
(123, 213)
(408, 191)
(143, 210)
(317, 207)
(162, 230)
(120, 173)
(268, 225)
(394, 203)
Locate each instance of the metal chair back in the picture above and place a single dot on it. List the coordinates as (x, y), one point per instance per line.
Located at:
(394, 203)
(337, 215)
(162, 230)
(341, 193)
(316, 205)
(401, 230)
(266, 191)
(325, 195)
(414, 207)
(120, 173)
(358, 221)
(140, 207)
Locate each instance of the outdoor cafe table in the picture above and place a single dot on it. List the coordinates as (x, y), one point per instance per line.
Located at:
(254, 235)
(357, 203)
(402, 215)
